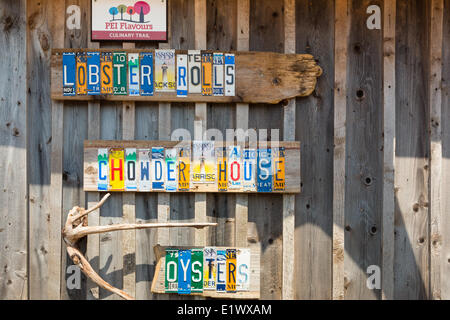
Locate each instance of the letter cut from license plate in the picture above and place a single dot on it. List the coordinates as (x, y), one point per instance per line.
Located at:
(130, 164)
(102, 183)
(206, 74)
(182, 78)
(249, 170)
(222, 168)
(133, 74)
(243, 270)
(279, 169)
(195, 73)
(106, 78)
(120, 73)
(264, 171)
(171, 271)
(197, 270)
(81, 73)
(231, 270)
(146, 74)
(234, 168)
(116, 169)
(165, 70)
(171, 169)
(221, 271)
(203, 162)
(209, 268)
(184, 271)
(69, 74)
(184, 168)
(218, 86)
(93, 64)
(230, 79)
(145, 183)
(158, 168)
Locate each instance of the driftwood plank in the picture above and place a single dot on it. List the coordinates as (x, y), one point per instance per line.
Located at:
(261, 77)
(255, 274)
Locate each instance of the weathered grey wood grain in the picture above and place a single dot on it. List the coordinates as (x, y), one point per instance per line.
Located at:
(314, 130)
(411, 261)
(387, 277)
(435, 91)
(341, 33)
(13, 164)
(445, 222)
(364, 167)
(111, 259)
(265, 212)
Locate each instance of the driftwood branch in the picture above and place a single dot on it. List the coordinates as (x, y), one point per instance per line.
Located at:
(76, 228)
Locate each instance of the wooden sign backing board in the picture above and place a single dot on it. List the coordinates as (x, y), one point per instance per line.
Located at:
(158, 284)
(261, 77)
(292, 163)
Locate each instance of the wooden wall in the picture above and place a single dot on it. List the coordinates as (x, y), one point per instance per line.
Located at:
(375, 138)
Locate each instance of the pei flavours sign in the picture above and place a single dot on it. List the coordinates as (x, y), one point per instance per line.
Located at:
(129, 20)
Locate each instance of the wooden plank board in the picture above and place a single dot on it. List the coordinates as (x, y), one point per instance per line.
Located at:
(265, 211)
(255, 274)
(364, 161)
(261, 77)
(389, 12)
(341, 33)
(13, 141)
(287, 292)
(435, 104)
(292, 149)
(445, 196)
(411, 259)
(314, 128)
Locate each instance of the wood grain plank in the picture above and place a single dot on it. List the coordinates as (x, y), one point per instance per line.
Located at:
(387, 278)
(341, 33)
(364, 159)
(445, 196)
(435, 104)
(13, 141)
(288, 275)
(411, 259)
(314, 130)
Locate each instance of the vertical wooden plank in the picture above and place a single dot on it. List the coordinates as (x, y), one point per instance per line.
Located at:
(200, 117)
(55, 255)
(128, 203)
(287, 292)
(265, 211)
(387, 229)
(364, 156)
(92, 198)
(445, 223)
(314, 130)
(13, 141)
(39, 35)
(74, 132)
(435, 91)
(242, 111)
(341, 33)
(411, 259)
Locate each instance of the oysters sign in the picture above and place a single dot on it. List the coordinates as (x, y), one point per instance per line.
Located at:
(129, 20)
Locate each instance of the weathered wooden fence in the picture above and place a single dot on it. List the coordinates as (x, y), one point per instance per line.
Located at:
(375, 139)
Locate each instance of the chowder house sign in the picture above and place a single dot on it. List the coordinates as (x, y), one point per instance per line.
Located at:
(129, 20)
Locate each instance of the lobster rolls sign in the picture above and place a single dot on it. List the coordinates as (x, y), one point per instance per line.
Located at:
(197, 166)
(129, 20)
(218, 272)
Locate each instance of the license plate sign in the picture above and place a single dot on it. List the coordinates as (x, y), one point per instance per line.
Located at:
(184, 271)
(209, 268)
(130, 167)
(230, 80)
(93, 65)
(158, 164)
(81, 73)
(222, 169)
(69, 74)
(133, 74)
(206, 74)
(279, 169)
(195, 73)
(182, 84)
(116, 169)
(218, 86)
(234, 168)
(197, 270)
(264, 172)
(106, 78)
(171, 274)
(102, 183)
(146, 74)
(243, 270)
(165, 70)
(120, 73)
(184, 168)
(171, 169)
(249, 170)
(231, 270)
(145, 183)
(221, 271)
